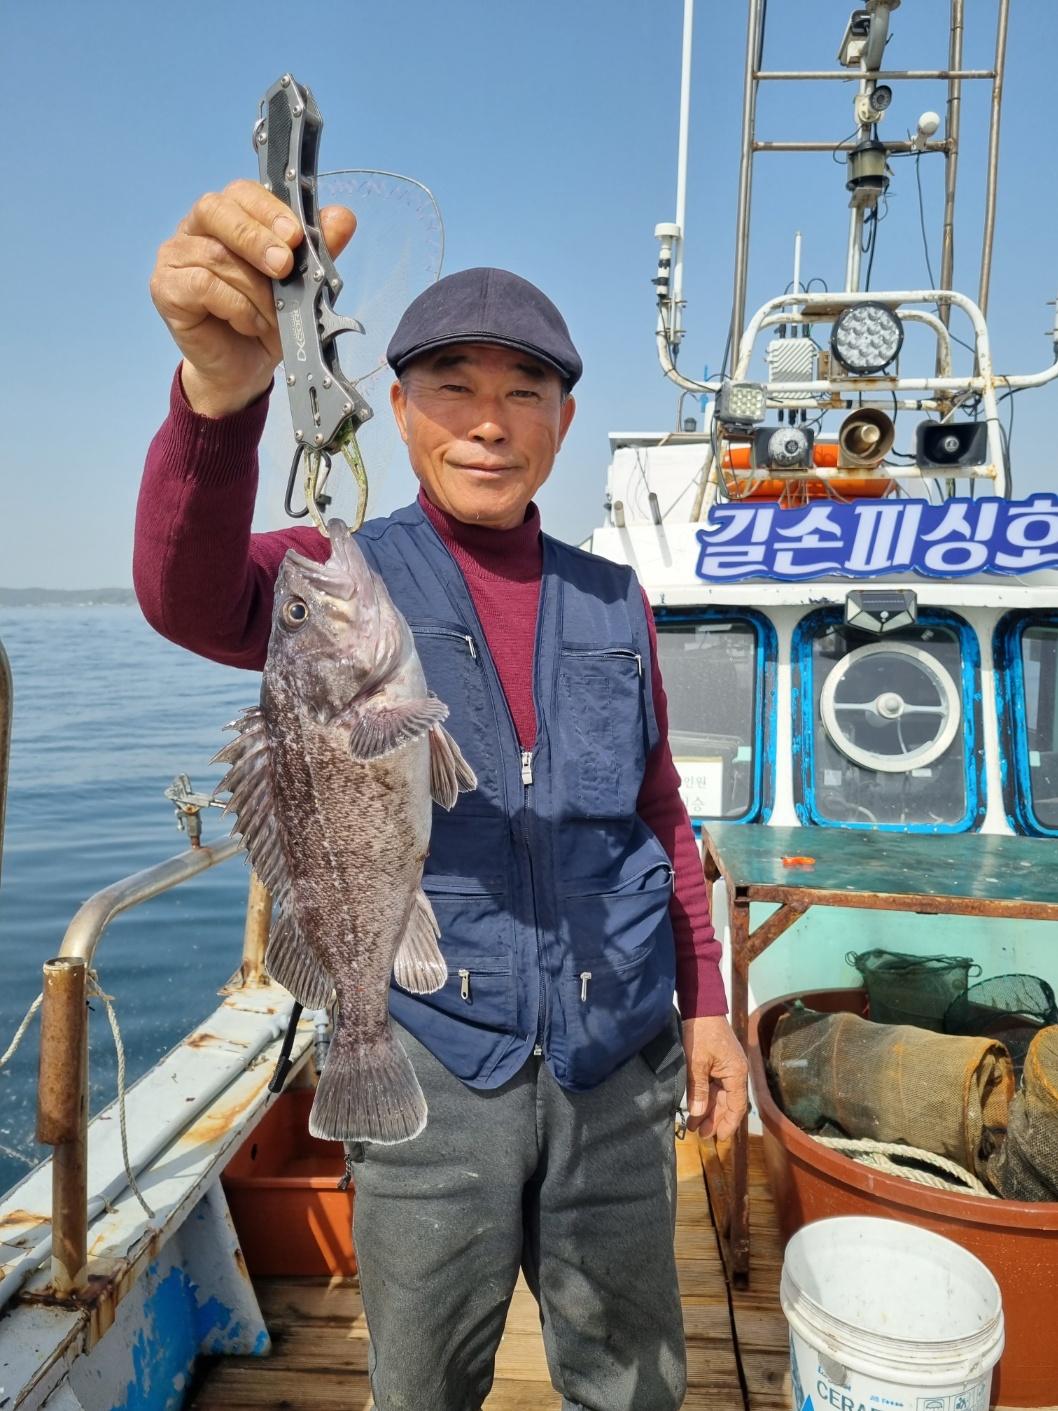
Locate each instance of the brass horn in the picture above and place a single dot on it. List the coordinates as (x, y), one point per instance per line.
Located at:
(865, 438)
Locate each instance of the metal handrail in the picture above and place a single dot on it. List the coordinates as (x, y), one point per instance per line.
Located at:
(85, 930)
(62, 1090)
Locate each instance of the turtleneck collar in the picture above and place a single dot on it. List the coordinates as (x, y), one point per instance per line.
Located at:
(515, 554)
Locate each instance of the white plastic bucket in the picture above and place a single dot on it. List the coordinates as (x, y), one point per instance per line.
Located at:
(885, 1315)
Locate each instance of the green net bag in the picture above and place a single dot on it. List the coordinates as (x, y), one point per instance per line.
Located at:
(843, 1075)
(1026, 1165)
(912, 989)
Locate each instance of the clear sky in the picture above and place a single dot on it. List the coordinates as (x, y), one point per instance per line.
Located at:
(547, 131)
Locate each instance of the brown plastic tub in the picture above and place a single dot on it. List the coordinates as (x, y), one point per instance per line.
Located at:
(1017, 1240)
(282, 1190)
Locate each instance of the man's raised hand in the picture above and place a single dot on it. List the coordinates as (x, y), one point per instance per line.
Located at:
(212, 284)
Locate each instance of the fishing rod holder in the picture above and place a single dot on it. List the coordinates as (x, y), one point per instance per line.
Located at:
(188, 806)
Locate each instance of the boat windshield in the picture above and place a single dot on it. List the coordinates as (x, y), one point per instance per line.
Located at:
(892, 733)
(710, 674)
(1039, 661)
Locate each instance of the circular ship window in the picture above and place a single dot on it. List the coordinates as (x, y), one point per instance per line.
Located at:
(891, 706)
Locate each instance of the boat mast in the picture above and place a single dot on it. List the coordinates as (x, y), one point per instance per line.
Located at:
(754, 40)
(993, 154)
(676, 325)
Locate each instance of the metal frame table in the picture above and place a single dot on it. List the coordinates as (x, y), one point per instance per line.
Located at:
(955, 874)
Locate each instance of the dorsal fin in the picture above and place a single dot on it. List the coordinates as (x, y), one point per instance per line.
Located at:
(249, 780)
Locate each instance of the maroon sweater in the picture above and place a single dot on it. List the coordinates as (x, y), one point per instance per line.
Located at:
(205, 582)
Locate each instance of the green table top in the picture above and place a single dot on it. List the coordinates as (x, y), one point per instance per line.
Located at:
(961, 867)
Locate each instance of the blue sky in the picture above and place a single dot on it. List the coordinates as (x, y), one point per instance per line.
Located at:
(548, 134)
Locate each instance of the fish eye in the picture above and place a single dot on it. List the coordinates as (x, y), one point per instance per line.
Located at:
(293, 613)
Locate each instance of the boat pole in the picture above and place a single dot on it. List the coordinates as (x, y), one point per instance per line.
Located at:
(993, 154)
(745, 177)
(951, 154)
(255, 936)
(62, 1112)
(676, 328)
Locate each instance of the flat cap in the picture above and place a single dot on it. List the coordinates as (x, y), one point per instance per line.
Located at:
(486, 306)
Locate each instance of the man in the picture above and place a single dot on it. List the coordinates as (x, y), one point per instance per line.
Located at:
(552, 1062)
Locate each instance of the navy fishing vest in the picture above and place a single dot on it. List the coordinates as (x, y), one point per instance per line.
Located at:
(551, 893)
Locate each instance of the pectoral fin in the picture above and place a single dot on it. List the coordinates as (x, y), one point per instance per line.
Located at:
(419, 965)
(449, 771)
(379, 729)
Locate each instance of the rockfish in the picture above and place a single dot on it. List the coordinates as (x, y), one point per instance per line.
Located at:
(331, 780)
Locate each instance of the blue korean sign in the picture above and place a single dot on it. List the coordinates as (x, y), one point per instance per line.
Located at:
(871, 537)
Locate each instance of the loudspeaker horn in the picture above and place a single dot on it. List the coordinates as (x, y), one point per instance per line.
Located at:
(866, 437)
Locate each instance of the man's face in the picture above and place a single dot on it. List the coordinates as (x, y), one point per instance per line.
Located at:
(483, 426)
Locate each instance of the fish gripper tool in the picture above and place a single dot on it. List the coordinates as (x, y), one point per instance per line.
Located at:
(326, 409)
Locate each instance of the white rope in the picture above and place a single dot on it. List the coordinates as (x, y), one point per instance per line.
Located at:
(94, 989)
(20, 1032)
(879, 1156)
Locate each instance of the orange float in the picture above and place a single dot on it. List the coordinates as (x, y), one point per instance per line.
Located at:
(794, 491)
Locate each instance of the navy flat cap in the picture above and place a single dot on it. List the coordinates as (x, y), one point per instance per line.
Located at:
(486, 306)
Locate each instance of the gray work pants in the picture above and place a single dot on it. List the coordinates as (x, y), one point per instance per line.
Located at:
(577, 1189)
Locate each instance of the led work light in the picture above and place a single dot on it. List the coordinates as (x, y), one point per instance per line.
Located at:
(741, 404)
(866, 338)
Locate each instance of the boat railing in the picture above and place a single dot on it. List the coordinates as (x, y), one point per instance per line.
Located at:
(62, 1095)
(947, 387)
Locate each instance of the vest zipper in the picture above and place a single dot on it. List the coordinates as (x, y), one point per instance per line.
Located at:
(527, 768)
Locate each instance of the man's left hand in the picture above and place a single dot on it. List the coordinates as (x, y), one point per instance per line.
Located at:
(717, 1074)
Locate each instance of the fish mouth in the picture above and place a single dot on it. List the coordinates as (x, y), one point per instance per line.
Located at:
(344, 574)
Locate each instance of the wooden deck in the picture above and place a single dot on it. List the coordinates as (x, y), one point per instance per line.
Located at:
(736, 1340)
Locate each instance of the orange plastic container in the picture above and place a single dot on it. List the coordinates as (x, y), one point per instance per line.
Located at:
(1017, 1240)
(796, 491)
(282, 1190)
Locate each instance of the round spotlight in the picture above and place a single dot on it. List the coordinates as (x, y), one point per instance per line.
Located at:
(866, 338)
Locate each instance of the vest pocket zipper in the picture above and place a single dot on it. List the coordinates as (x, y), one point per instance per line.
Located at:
(597, 653)
(453, 634)
(585, 976)
(464, 988)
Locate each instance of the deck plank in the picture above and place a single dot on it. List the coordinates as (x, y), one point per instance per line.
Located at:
(319, 1357)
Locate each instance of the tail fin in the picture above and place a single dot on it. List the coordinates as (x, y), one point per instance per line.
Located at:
(368, 1092)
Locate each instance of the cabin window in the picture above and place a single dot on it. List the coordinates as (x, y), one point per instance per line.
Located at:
(1027, 673)
(1039, 665)
(714, 669)
(888, 725)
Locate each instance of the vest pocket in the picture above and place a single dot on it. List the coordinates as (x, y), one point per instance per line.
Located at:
(603, 725)
(612, 1009)
(451, 662)
(619, 972)
(477, 942)
(616, 925)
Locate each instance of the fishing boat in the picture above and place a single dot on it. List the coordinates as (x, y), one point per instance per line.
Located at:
(858, 631)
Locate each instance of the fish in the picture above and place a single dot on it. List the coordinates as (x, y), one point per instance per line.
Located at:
(331, 779)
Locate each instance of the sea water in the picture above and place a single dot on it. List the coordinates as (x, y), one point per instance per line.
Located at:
(106, 713)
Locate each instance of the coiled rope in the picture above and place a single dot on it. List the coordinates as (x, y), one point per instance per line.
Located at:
(879, 1156)
(108, 1004)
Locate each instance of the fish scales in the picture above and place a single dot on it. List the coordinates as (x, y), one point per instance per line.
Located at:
(332, 779)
